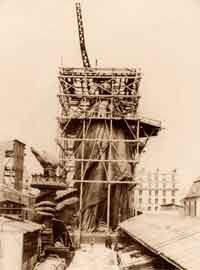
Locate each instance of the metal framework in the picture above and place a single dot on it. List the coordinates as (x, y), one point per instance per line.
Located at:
(107, 96)
(84, 54)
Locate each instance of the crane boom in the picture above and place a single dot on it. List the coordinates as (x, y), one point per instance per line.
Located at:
(85, 58)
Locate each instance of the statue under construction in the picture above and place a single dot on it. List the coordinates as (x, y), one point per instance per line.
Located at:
(101, 137)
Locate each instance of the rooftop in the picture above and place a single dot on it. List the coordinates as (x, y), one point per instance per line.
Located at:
(175, 238)
(10, 194)
(17, 225)
(194, 190)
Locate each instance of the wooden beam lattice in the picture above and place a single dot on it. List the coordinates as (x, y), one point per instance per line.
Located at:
(109, 97)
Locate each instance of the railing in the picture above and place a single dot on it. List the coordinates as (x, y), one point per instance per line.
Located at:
(54, 182)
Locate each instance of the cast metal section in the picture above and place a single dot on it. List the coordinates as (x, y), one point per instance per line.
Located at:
(105, 96)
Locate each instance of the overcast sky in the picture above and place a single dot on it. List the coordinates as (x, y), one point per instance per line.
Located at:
(161, 37)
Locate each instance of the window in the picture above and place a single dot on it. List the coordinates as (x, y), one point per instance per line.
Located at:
(173, 183)
(173, 192)
(149, 192)
(164, 185)
(140, 192)
(156, 208)
(195, 208)
(189, 207)
(149, 177)
(140, 200)
(149, 200)
(156, 192)
(164, 201)
(149, 208)
(150, 184)
(164, 192)
(156, 200)
(156, 184)
(173, 200)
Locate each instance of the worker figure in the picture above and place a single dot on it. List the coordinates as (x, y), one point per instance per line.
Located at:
(108, 242)
(116, 245)
(92, 243)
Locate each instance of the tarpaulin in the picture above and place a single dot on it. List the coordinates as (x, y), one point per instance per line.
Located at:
(107, 161)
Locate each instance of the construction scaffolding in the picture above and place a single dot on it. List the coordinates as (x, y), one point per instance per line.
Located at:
(100, 138)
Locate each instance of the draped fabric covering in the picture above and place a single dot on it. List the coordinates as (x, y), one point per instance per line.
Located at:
(101, 151)
(98, 112)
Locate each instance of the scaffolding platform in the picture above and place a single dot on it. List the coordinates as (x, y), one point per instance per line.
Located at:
(99, 93)
(100, 134)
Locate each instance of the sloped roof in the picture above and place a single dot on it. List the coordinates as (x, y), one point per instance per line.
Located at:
(10, 194)
(14, 225)
(194, 190)
(175, 238)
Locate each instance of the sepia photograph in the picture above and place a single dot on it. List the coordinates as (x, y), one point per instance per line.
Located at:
(99, 137)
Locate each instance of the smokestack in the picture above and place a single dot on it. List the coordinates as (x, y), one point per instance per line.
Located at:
(18, 149)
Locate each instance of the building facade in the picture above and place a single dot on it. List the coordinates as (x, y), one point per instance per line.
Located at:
(21, 240)
(155, 189)
(13, 193)
(12, 164)
(192, 200)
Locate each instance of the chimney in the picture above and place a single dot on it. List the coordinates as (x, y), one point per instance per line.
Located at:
(18, 149)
